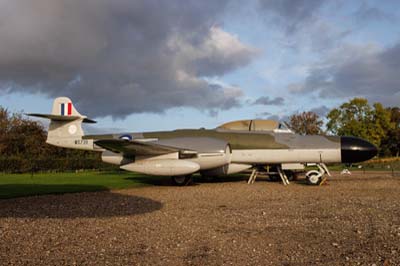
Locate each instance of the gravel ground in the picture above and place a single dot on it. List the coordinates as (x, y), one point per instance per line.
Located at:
(352, 220)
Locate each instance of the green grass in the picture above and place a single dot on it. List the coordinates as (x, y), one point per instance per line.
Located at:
(18, 185)
(377, 165)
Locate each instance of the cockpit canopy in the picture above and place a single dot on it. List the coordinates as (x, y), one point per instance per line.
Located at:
(255, 125)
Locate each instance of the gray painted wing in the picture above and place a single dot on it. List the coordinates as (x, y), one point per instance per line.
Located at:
(135, 148)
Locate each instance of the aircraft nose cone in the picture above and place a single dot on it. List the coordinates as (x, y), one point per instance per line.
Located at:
(356, 150)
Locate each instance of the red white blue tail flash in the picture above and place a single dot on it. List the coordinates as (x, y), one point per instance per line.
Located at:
(69, 109)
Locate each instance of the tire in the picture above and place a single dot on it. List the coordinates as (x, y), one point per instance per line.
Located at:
(182, 180)
(313, 178)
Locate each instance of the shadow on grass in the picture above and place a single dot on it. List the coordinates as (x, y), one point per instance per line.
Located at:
(25, 190)
(151, 180)
(74, 205)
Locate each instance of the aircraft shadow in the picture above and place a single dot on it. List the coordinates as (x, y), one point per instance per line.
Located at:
(224, 179)
(75, 205)
(152, 180)
(197, 180)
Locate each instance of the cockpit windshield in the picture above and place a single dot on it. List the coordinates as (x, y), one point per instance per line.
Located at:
(283, 128)
(255, 125)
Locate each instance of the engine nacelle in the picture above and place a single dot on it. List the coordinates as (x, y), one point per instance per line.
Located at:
(211, 152)
(198, 153)
(226, 169)
(210, 160)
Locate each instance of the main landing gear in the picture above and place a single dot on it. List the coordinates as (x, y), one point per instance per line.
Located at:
(316, 177)
(313, 177)
(182, 180)
(274, 176)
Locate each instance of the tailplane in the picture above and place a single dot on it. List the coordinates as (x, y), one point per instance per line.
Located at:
(65, 129)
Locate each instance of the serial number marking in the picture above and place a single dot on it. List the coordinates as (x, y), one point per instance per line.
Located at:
(81, 142)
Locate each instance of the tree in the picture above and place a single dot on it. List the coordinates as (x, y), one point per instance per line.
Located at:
(4, 124)
(358, 118)
(306, 123)
(391, 143)
(23, 148)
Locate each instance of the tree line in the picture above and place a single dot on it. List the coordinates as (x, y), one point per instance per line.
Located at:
(23, 145)
(23, 148)
(375, 123)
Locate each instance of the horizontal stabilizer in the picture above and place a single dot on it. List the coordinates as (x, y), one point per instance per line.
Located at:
(63, 118)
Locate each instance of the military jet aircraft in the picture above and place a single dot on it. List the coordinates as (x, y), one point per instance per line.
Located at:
(230, 148)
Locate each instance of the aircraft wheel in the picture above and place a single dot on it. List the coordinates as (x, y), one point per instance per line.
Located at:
(314, 178)
(182, 180)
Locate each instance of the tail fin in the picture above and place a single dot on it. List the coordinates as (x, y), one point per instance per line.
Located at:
(65, 129)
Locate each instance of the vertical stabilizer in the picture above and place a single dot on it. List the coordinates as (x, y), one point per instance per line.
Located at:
(63, 106)
(65, 128)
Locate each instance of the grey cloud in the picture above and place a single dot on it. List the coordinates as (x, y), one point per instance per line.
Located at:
(291, 14)
(262, 115)
(366, 13)
(303, 24)
(88, 129)
(120, 57)
(283, 118)
(265, 100)
(359, 71)
(321, 111)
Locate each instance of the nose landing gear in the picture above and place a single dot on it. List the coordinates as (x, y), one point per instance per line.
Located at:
(316, 177)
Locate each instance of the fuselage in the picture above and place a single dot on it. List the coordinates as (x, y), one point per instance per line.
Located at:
(265, 147)
(230, 148)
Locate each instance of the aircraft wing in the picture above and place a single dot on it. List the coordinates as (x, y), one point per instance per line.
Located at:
(135, 148)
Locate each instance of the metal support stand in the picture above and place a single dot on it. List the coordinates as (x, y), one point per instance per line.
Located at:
(283, 176)
(253, 176)
(322, 167)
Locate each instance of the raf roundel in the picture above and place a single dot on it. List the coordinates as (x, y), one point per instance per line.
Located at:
(126, 137)
(72, 129)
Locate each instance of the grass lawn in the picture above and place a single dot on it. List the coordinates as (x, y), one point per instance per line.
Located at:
(18, 185)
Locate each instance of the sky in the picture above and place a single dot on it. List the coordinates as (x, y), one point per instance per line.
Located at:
(146, 65)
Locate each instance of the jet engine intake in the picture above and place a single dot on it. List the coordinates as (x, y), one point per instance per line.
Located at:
(114, 158)
(210, 160)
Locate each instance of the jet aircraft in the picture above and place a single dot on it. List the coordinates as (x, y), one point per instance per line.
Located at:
(230, 148)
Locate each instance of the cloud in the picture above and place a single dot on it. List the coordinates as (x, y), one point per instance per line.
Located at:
(262, 115)
(290, 14)
(321, 111)
(366, 14)
(282, 118)
(120, 57)
(265, 100)
(356, 70)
